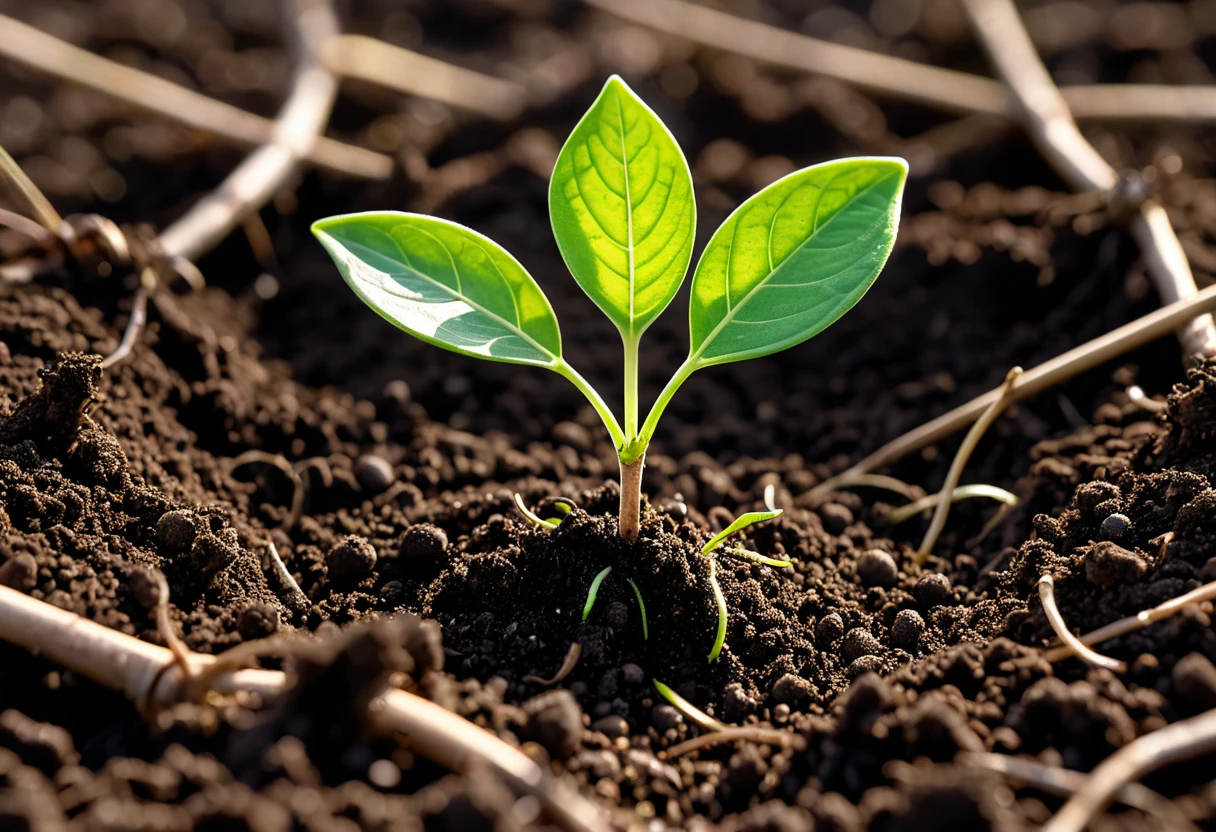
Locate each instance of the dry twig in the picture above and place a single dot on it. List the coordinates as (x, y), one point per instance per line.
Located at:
(1063, 782)
(310, 24)
(28, 196)
(1047, 118)
(1091, 354)
(42, 52)
(148, 673)
(368, 59)
(1139, 621)
(568, 664)
(1048, 596)
(1182, 740)
(944, 89)
(946, 495)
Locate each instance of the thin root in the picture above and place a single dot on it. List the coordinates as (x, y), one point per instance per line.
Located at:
(1063, 782)
(135, 325)
(749, 733)
(1140, 399)
(904, 513)
(1182, 740)
(1140, 620)
(1048, 596)
(568, 664)
(910, 492)
(960, 460)
(285, 578)
(280, 462)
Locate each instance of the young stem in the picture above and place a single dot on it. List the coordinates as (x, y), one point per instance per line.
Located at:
(614, 429)
(660, 404)
(631, 498)
(631, 387)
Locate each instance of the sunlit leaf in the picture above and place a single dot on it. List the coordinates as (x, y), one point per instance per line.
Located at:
(445, 284)
(622, 208)
(741, 522)
(794, 258)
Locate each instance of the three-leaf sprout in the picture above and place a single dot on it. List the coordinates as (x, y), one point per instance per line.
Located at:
(784, 265)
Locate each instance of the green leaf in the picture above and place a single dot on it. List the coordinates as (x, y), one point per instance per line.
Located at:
(622, 208)
(741, 522)
(445, 284)
(794, 258)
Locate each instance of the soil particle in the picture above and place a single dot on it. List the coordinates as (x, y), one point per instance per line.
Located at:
(835, 518)
(1116, 527)
(877, 568)
(907, 630)
(859, 642)
(374, 473)
(424, 545)
(1108, 563)
(19, 572)
(1194, 679)
(932, 590)
(175, 532)
(350, 559)
(555, 721)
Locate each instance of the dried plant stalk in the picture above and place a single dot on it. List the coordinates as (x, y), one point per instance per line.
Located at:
(1091, 354)
(39, 51)
(149, 674)
(1047, 118)
(943, 89)
(1182, 740)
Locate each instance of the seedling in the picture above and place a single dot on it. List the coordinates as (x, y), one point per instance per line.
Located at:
(786, 264)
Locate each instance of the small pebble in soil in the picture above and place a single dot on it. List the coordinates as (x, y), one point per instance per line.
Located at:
(257, 620)
(933, 590)
(20, 572)
(877, 568)
(1093, 494)
(1116, 526)
(864, 664)
(424, 544)
(836, 518)
(859, 642)
(391, 591)
(1194, 679)
(143, 587)
(175, 531)
(1109, 563)
(665, 717)
(781, 714)
(350, 559)
(384, 774)
(907, 630)
(374, 473)
(792, 690)
(736, 704)
(611, 726)
(634, 674)
(829, 630)
(555, 721)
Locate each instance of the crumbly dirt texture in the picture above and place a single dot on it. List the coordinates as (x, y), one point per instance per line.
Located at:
(273, 408)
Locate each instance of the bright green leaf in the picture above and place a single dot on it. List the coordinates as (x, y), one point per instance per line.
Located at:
(622, 208)
(445, 284)
(741, 522)
(794, 258)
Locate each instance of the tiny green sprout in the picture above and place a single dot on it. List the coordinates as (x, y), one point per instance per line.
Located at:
(559, 503)
(595, 590)
(784, 265)
(637, 593)
(690, 710)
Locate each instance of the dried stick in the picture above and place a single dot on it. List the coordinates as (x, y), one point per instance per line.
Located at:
(1047, 118)
(28, 196)
(1063, 782)
(1182, 740)
(42, 52)
(904, 513)
(943, 89)
(1048, 596)
(751, 733)
(1139, 621)
(148, 673)
(310, 24)
(278, 461)
(368, 59)
(946, 495)
(1091, 354)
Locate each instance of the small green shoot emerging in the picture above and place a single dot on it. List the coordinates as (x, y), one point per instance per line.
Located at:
(784, 266)
(720, 600)
(526, 512)
(595, 590)
(690, 710)
(637, 593)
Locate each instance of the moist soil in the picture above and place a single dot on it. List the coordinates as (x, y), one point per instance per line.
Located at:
(272, 408)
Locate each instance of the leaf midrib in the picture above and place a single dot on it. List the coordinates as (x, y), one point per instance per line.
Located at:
(620, 113)
(555, 359)
(730, 314)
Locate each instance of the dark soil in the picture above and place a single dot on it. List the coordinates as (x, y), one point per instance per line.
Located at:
(409, 458)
